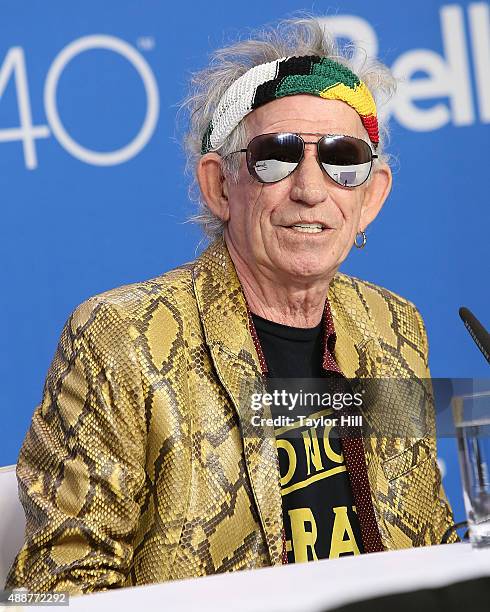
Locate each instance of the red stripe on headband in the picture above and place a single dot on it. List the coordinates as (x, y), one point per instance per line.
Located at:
(370, 122)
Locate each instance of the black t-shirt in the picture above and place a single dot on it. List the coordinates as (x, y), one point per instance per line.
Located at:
(320, 520)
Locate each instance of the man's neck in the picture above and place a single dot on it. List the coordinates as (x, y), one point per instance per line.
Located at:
(287, 301)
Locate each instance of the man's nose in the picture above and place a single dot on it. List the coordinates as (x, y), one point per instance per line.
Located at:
(309, 180)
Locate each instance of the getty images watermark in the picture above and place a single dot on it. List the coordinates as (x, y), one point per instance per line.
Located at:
(316, 408)
(384, 408)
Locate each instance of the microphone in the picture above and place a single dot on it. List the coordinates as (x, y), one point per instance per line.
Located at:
(477, 331)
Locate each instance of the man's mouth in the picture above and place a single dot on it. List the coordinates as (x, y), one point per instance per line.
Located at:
(308, 228)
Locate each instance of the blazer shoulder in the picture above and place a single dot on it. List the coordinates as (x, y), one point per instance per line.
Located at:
(388, 310)
(368, 290)
(134, 301)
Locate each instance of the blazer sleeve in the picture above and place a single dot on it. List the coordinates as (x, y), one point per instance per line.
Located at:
(81, 465)
(442, 513)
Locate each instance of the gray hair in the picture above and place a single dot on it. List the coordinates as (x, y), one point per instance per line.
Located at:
(290, 37)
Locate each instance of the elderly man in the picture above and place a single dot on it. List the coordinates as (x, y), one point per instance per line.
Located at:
(142, 463)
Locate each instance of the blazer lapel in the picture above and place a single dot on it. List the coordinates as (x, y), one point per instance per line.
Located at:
(358, 353)
(224, 317)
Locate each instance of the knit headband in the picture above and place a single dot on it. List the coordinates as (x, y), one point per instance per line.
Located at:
(288, 76)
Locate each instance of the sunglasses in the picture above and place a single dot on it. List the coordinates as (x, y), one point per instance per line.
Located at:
(273, 157)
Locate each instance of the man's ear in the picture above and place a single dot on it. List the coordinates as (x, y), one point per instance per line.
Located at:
(377, 190)
(212, 183)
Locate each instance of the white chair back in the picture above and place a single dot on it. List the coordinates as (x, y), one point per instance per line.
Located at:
(12, 521)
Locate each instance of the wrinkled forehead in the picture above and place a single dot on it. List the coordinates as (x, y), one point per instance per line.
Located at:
(305, 113)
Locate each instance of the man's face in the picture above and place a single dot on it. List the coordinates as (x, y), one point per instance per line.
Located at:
(261, 215)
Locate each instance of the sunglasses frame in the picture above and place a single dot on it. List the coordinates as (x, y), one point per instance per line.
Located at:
(305, 142)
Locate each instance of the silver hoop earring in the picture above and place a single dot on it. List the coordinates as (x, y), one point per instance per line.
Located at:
(362, 244)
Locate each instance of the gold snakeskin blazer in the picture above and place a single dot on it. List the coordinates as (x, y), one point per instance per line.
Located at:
(139, 467)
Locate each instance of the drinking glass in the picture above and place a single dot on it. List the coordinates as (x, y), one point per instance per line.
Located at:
(472, 421)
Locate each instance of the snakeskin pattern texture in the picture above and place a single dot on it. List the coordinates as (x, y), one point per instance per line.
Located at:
(140, 465)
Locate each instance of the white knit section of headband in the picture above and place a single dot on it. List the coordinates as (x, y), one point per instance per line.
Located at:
(237, 100)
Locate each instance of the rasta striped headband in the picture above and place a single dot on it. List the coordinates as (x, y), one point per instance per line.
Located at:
(287, 76)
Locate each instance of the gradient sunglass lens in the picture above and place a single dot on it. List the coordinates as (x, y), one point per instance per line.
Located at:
(273, 157)
(346, 160)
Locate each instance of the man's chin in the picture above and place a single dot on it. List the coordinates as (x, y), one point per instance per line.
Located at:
(307, 268)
